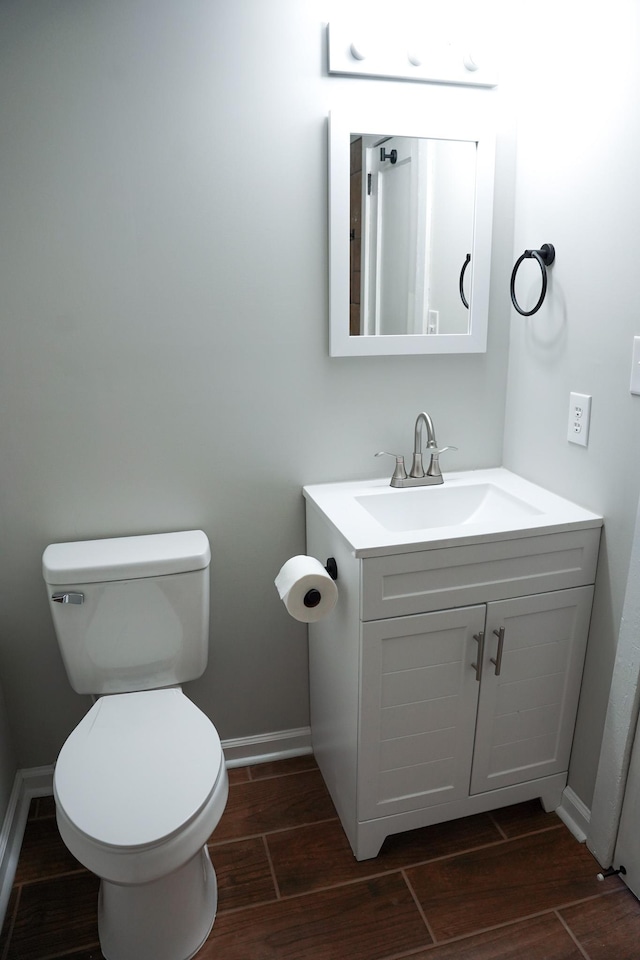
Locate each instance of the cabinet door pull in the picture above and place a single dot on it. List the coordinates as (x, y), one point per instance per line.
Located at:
(477, 666)
(498, 657)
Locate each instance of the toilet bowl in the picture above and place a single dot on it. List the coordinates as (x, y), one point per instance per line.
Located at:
(140, 785)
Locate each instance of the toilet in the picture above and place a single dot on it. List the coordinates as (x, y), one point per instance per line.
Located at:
(140, 784)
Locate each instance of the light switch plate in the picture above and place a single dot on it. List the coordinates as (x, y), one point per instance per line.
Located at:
(635, 367)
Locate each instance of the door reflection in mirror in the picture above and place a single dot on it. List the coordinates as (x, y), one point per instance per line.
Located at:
(411, 226)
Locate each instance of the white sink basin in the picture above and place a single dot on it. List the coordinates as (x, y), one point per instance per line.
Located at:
(494, 504)
(445, 506)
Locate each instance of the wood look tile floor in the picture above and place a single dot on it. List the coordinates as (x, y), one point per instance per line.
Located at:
(509, 885)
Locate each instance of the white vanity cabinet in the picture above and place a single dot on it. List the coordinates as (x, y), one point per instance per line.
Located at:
(437, 725)
(446, 680)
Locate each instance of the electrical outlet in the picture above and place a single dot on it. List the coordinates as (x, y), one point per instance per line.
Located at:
(579, 418)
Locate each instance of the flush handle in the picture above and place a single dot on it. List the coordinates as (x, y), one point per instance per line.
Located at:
(67, 597)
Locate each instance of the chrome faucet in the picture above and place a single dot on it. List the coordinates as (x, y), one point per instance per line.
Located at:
(418, 477)
(417, 469)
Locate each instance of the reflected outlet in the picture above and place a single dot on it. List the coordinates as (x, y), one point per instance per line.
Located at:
(579, 418)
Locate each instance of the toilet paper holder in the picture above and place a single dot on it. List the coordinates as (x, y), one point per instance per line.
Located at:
(332, 568)
(313, 597)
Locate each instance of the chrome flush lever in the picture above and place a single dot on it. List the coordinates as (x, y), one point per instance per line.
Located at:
(67, 597)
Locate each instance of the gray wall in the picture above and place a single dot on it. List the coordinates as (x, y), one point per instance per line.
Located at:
(578, 188)
(164, 314)
(8, 759)
(164, 324)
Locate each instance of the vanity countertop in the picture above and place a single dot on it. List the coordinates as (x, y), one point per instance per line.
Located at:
(469, 507)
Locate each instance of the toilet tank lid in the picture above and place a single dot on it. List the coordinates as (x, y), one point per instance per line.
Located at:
(126, 558)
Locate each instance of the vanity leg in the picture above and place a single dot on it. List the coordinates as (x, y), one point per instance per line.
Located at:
(551, 799)
(369, 839)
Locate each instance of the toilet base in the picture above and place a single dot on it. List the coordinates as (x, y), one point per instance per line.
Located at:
(167, 919)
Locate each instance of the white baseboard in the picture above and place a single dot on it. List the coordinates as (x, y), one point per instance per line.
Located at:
(38, 782)
(266, 747)
(35, 782)
(574, 814)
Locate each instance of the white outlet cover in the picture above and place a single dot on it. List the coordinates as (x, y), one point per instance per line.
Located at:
(579, 419)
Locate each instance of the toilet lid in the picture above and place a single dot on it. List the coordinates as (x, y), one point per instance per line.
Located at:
(138, 767)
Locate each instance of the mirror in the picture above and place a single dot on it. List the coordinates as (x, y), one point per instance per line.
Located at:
(411, 232)
(410, 210)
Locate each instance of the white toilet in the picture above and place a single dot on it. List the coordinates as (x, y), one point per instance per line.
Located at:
(141, 783)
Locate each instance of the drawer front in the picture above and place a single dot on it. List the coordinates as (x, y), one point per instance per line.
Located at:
(410, 583)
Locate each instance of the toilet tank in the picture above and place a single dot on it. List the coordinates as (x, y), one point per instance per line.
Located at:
(130, 613)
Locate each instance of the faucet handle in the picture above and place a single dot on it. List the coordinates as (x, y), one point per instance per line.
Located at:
(434, 464)
(435, 452)
(400, 472)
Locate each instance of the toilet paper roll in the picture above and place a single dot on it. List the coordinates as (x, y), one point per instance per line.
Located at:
(306, 589)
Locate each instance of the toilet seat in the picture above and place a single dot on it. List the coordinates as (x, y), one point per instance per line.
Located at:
(138, 769)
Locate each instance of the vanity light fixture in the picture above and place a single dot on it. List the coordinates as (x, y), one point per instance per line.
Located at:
(366, 53)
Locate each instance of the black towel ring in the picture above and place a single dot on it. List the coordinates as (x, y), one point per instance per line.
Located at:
(545, 257)
(464, 267)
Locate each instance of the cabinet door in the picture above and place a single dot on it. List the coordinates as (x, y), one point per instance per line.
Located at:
(418, 702)
(527, 709)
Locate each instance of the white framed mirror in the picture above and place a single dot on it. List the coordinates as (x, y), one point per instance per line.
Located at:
(410, 218)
